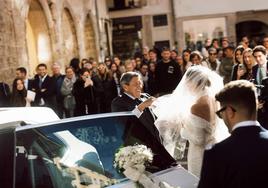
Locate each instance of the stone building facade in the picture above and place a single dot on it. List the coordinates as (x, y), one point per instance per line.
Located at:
(47, 31)
(233, 19)
(192, 21)
(146, 22)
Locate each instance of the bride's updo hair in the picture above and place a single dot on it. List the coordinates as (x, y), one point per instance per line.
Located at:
(198, 77)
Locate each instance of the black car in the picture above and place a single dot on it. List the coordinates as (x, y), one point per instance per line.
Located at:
(79, 152)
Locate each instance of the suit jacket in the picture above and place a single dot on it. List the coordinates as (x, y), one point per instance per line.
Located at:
(49, 95)
(239, 161)
(255, 72)
(125, 103)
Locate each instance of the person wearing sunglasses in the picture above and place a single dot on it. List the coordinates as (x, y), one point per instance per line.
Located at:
(212, 61)
(241, 160)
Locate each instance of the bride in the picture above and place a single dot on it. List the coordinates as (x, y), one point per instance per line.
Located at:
(189, 113)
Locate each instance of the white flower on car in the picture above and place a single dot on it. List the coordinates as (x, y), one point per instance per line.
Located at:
(132, 160)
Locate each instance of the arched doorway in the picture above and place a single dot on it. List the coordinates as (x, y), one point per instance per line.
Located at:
(37, 37)
(255, 30)
(90, 43)
(69, 37)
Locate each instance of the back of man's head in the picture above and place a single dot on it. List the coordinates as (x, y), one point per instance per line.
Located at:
(241, 95)
(22, 70)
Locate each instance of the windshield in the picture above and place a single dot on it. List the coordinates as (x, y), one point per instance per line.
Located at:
(81, 153)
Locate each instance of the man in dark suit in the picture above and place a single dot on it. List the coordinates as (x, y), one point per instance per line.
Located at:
(45, 88)
(241, 160)
(133, 100)
(260, 72)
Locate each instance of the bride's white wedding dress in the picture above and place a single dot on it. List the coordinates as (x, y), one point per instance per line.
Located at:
(200, 133)
(176, 120)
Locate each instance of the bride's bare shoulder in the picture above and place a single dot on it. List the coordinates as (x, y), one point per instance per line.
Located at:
(202, 108)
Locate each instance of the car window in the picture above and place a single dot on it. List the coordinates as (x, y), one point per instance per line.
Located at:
(81, 153)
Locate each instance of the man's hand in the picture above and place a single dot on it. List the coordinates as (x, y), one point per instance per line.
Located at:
(146, 103)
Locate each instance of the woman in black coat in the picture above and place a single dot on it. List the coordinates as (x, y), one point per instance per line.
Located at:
(106, 89)
(84, 93)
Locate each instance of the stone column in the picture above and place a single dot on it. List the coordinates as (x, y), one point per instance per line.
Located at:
(147, 36)
(8, 46)
(230, 26)
(180, 34)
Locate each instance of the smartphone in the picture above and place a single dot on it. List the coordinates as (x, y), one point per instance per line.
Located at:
(241, 66)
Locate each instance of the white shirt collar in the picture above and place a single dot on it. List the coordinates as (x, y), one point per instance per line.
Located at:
(43, 78)
(246, 124)
(26, 83)
(264, 65)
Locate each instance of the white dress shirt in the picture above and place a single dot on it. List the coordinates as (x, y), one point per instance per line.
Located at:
(135, 111)
(246, 124)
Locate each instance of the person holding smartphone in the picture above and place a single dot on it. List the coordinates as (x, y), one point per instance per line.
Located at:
(244, 69)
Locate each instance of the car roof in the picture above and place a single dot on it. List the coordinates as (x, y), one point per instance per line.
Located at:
(74, 119)
(34, 117)
(30, 115)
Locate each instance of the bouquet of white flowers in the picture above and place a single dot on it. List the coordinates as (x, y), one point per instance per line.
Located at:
(133, 156)
(131, 160)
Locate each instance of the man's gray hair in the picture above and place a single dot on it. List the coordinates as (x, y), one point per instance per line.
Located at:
(127, 77)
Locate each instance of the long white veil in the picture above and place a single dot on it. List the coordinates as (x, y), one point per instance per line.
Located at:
(174, 110)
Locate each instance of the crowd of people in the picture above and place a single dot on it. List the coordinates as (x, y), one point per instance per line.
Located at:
(83, 89)
(173, 95)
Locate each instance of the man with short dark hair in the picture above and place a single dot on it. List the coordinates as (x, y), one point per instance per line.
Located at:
(226, 65)
(212, 61)
(167, 74)
(21, 73)
(260, 70)
(45, 88)
(260, 73)
(241, 160)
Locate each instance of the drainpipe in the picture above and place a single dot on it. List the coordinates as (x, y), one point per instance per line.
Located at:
(174, 28)
(98, 30)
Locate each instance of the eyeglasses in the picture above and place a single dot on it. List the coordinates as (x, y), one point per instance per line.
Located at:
(223, 109)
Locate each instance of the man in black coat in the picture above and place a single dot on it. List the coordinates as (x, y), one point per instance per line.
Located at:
(167, 73)
(133, 100)
(241, 160)
(45, 88)
(260, 73)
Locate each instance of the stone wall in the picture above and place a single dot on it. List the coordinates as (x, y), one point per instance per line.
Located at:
(8, 46)
(45, 31)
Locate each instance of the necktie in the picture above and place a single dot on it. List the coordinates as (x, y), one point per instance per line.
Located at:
(261, 74)
(40, 83)
(138, 101)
